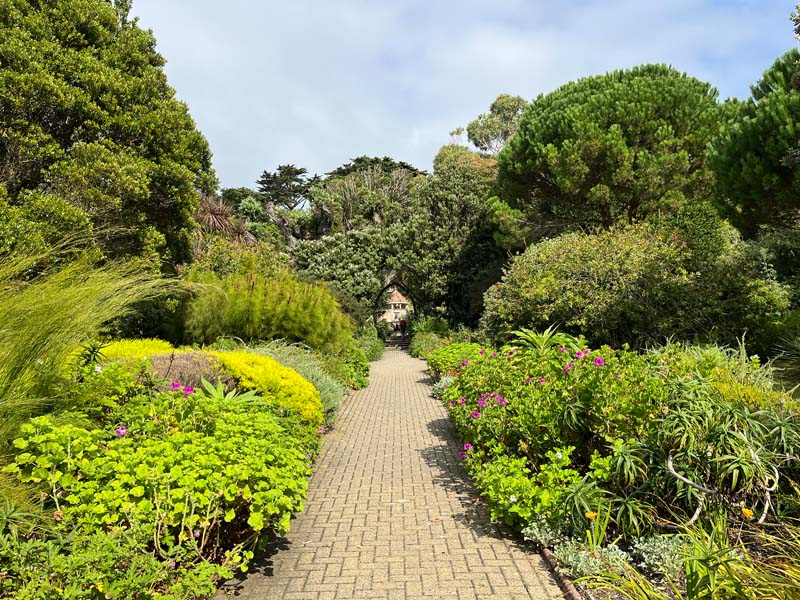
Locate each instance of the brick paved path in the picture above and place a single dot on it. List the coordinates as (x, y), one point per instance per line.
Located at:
(390, 512)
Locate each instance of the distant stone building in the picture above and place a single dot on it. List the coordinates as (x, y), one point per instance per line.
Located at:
(396, 309)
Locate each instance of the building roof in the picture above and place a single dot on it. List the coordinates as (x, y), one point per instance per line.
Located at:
(397, 297)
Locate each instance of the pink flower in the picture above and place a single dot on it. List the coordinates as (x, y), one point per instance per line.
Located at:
(467, 447)
(542, 380)
(188, 390)
(462, 455)
(563, 349)
(568, 366)
(482, 352)
(476, 414)
(501, 401)
(464, 363)
(579, 354)
(599, 362)
(481, 403)
(528, 380)
(619, 375)
(463, 401)
(121, 431)
(321, 430)
(494, 354)
(174, 386)
(512, 352)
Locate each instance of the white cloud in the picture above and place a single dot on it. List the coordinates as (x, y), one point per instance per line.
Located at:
(317, 83)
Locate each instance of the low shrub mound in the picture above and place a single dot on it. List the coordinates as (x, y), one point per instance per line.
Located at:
(640, 285)
(450, 359)
(423, 343)
(307, 364)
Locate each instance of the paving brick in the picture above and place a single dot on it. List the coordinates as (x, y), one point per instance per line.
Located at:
(391, 513)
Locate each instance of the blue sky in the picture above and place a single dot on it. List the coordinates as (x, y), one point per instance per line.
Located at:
(316, 83)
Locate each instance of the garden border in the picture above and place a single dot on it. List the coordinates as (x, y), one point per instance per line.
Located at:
(566, 585)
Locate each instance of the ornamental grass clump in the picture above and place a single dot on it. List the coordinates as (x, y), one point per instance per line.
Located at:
(45, 314)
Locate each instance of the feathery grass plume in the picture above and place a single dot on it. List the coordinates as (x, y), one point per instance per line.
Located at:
(47, 312)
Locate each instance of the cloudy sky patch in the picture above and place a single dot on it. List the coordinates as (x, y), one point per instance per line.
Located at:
(316, 83)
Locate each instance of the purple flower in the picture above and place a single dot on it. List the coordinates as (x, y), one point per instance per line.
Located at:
(121, 431)
(188, 390)
(568, 366)
(542, 380)
(599, 362)
(452, 403)
(501, 401)
(481, 403)
(197, 535)
(467, 447)
(463, 401)
(462, 455)
(174, 386)
(464, 363)
(482, 352)
(476, 414)
(579, 354)
(308, 456)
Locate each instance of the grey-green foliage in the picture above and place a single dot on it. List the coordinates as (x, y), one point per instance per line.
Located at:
(661, 554)
(579, 560)
(437, 391)
(311, 368)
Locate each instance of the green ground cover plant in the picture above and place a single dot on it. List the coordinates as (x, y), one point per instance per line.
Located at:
(187, 479)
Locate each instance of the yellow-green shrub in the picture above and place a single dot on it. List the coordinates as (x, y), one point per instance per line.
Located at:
(136, 349)
(274, 381)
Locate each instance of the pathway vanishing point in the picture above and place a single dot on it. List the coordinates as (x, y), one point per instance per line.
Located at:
(391, 512)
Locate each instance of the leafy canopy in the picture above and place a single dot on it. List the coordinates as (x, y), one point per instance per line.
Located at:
(755, 158)
(609, 149)
(90, 127)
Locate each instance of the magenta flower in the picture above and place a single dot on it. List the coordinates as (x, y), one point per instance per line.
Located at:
(476, 414)
(528, 380)
(463, 401)
(121, 431)
(467, 447)
(563, 349)
(464, 363)
(462, 455)
(568, 366)
(599, 362)
(579, 354)
(174, 386)
(512, 352)
(501, 401)
(321, 430)
(452, 403)
(494, 354)
(619, 375)
(482, 352)
(542, 380)
(197, 535)
(188, 390)
(481, 403)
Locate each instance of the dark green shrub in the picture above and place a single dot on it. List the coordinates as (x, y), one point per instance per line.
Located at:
(637, 285)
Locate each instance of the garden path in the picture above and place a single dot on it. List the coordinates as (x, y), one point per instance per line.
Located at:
(391, 513)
